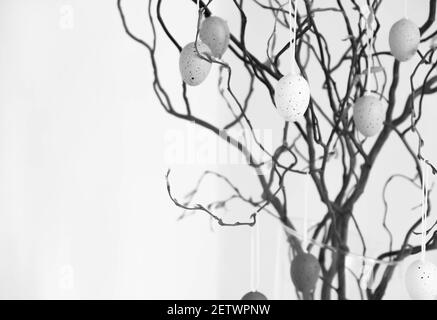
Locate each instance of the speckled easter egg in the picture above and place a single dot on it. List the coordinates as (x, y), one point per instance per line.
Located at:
(421, 280)
(305, 269)
(368, 114)
(214, 32)
(254, 295)
(193, 68)
(292, 96)
(404, 39)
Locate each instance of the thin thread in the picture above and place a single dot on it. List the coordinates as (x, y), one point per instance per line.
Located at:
(198, 16)
(424, 211)
(406, 9)
(425, 216)
(252, 260)
(257, 252)
(369, 34)
(278, 261)
(293, 31)
(305, 217)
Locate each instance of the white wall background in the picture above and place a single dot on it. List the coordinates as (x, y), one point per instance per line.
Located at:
(83, 207)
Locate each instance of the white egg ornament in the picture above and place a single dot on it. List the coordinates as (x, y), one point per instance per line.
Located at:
(194, 69)
(214, 32)
(368, 114)
(292, 96)
(404, 39)
(305, 269)
(254, 295)
(421, 280)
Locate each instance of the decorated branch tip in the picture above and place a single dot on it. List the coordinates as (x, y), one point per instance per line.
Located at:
(199, 207)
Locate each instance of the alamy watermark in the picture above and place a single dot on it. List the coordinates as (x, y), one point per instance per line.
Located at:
(196, 146)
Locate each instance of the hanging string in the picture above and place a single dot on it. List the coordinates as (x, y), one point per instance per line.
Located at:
(257, 257)
(425, 215)
(293, 31)
(278, 263)
(406, 9)
(199, 15)
(369, 35)
(424, 210)
(305, 216)
(252, 260)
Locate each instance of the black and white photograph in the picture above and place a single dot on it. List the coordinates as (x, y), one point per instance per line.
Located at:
(247, 151)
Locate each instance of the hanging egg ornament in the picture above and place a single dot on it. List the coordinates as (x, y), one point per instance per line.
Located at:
(368, 114)
(305, 269)
(292, 96)
(421, 280)
(194, 69)
(214, 32)
(404, 39)
(254, 295)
